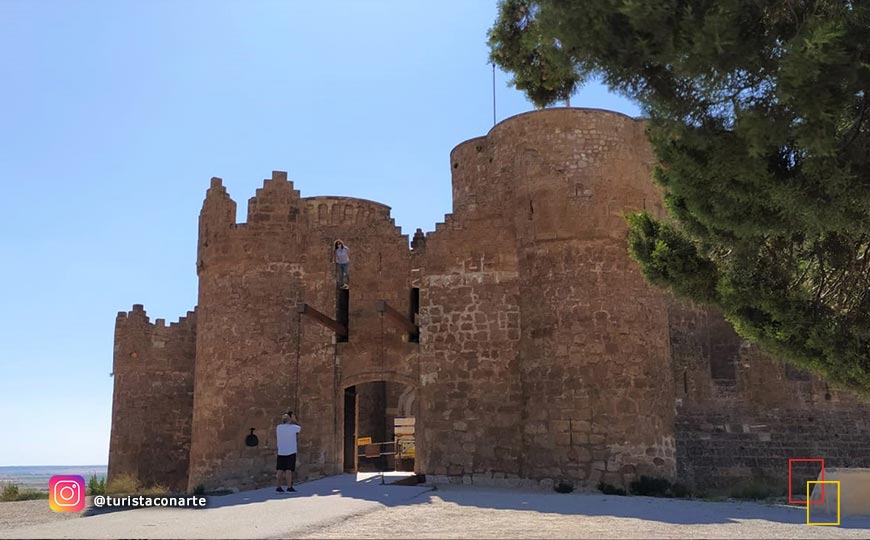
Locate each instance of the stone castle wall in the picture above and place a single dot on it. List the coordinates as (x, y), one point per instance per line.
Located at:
(152, 404)
(741, 414)
(543, 355)
(470, 394)
(257, 357)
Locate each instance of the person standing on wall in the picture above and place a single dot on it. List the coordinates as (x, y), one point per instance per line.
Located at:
(342, 262)
(286, 435)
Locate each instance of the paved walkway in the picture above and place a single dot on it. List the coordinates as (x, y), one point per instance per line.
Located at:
(262, 513)
(350, 507)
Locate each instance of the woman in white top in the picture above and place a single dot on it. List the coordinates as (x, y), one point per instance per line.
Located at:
(342, 262)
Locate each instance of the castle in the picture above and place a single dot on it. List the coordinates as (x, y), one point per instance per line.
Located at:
(519, 336)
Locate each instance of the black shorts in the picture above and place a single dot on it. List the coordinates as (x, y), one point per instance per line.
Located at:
(286, 463)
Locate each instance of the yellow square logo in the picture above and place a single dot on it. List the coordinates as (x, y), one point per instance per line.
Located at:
(809, 489)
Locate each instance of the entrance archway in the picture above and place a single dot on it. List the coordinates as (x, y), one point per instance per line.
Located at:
(379, 426)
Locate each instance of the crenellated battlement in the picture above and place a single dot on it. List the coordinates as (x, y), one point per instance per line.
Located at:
(328, 210)
(139, 315)
(279, 203)
(281, 223)
(545, 173)
(274, 204)
(138, 338)
(218, 206)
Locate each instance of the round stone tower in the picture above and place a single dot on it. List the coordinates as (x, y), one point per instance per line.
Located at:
(250, 276)
(594, 346)
(594, 372)
(565, 361)
(258, 356)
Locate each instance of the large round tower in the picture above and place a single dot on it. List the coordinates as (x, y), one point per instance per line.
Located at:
(250, 276)
(595, 354)
(535, 311)
(258, 355)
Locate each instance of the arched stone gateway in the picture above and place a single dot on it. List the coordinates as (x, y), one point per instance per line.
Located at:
(519, 337)
(379, 426)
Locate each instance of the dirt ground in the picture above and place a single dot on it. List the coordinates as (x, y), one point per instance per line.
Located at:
(25, 513)
(343, 508)
(463, 512)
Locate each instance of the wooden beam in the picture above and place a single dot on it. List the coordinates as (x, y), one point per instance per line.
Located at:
(319, 317)
(401, 321)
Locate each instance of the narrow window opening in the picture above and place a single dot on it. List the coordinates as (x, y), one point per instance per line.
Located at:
(342, 309)
(531, 210)
(413, 310)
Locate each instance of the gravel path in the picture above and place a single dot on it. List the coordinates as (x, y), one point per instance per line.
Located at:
(466, 512)
(25, 513)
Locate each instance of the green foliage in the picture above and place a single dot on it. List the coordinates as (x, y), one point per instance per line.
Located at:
(657, 487)
(200, 490)
(667, 257)
(32, 495)
(756, 490)
(680, 491)
(609, 489)
(124, 484)
(539, 64)
(564, 487)
(11, 493)
(759, 115)
(155, 490)
(96, 485)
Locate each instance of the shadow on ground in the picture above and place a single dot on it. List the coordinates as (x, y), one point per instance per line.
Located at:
(365, 487)
(670, 511)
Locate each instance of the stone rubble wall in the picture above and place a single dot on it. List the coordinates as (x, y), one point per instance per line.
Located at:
(742, 414)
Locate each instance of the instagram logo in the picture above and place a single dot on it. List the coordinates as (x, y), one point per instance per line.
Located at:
(66, 493)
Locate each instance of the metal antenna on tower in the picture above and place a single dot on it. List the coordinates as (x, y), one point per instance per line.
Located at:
(493, 93)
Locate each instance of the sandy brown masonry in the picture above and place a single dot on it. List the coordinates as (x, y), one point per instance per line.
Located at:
(543, 355)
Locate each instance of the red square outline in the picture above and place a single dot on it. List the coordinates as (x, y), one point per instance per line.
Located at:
(822, 491)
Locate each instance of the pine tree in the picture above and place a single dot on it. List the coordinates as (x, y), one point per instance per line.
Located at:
(759, 115)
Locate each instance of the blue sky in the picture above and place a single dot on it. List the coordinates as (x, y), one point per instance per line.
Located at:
(113, 117)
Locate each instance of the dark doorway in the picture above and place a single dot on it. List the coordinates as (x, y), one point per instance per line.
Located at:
(342, 311)
(350, 429)
(414, 309)
(379, 427)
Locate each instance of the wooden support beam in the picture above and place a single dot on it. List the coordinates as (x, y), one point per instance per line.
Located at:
(401, 321)
(335, 326)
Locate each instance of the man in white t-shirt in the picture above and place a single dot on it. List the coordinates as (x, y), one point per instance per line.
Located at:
(286, 437)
